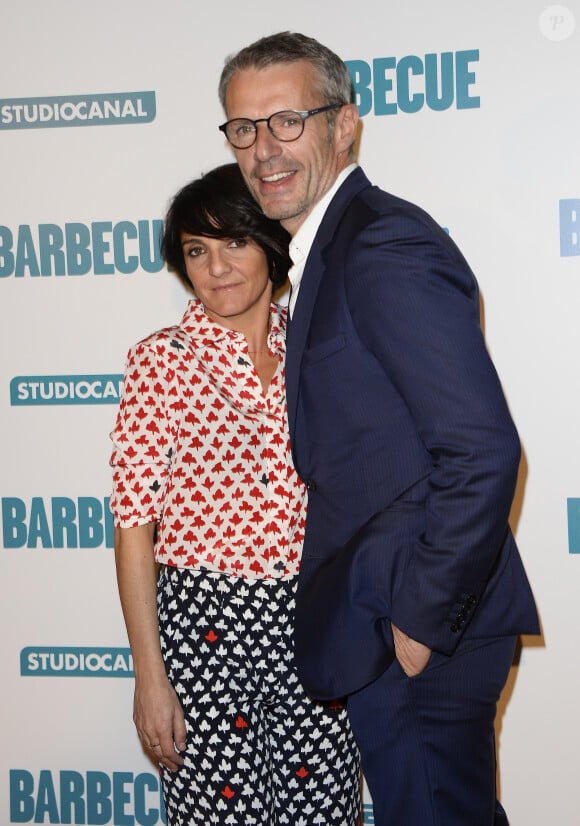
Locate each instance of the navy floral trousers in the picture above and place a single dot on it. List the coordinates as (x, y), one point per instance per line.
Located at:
(259, 751)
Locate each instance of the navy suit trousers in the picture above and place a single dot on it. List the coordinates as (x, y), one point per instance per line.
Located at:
(428, 742)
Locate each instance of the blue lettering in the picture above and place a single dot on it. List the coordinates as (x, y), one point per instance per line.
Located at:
(101, 247)
(38, 527)
(434, 82)
(383, 85)
(395, 85)
(569, 227)
(78, 248)
(90, 522)
(368, 814)
(25, 253)
(99, 798)
(143, 817)
(78, 239)
(63, 516)
(406, 67)
(51, 239)
(21, 799)
(6, 255)
(72, 787)
(109, 524)
(84, 524)
(150, 248)
(13, 528)
(121, 798)
(99, 808)
(464, 79)
(122, 230)
(46, 799)
(360, 74)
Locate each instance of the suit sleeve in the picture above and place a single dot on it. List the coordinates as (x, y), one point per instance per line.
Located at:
(415, 305)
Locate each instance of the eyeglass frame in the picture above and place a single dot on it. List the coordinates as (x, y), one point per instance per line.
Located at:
(303, 114)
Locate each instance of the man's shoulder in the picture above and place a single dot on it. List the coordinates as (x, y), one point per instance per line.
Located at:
(371, 216)
(384, 202)
(370, 205)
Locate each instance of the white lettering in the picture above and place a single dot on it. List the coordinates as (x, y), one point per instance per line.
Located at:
(112, 107)
(46, 112)
(31, 117)
(61, 389)
(68, 111)
(93, 663)
(128, 110)
(95, 111)
(110, 390)
(46, 393)
(83, 390)
(120, 663)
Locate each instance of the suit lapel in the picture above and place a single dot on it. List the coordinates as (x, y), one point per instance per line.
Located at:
(299, 326)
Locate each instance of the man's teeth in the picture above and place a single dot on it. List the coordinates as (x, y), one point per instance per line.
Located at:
(277, 177)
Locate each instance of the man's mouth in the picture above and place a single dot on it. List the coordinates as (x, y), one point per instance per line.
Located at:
(275, 177)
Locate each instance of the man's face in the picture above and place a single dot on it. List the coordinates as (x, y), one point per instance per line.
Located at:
(286, 178)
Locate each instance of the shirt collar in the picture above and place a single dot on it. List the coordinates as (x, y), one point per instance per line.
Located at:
(302, 242)
(204, 332)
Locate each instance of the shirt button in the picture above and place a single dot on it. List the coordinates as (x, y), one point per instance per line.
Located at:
(311, 485)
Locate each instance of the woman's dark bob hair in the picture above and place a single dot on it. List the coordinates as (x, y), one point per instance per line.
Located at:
(219, 205)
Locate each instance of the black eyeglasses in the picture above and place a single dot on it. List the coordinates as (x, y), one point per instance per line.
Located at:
(285, 126)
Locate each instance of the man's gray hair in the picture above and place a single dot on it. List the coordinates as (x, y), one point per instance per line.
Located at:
(334, 82)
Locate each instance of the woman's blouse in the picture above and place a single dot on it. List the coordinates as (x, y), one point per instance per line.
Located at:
(200, 450)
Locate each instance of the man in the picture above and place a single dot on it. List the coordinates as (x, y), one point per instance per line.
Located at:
(411, 590)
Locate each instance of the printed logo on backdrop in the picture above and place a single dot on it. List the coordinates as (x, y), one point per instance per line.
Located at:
(557, 23)
(59, 522)
(102, 247)
(389, 85)
(569, 227)
(75, 662)
(77, 389)
(77, 110)
(86, 797)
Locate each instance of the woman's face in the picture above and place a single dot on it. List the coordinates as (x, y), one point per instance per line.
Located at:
(230, 278)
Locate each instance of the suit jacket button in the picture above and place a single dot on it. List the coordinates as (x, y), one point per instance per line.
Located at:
(311, 485)
(455, 628)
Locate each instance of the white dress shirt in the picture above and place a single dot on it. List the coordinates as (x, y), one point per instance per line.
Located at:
(302, 242)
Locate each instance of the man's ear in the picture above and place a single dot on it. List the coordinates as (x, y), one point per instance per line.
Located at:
(345, 126)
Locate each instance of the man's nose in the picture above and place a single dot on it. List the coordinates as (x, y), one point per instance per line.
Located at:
(266, 145)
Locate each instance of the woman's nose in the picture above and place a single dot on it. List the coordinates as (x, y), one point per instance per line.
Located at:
(218, 263)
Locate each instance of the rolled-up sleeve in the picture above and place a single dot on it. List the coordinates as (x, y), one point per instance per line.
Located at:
(144, 437)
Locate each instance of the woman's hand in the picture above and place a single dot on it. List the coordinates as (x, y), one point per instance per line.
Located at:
(159, 720)
(157, 712)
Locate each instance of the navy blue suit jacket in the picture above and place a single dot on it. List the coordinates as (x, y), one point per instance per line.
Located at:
(400, 427)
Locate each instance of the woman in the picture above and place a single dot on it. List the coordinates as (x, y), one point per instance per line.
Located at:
(205, 492)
